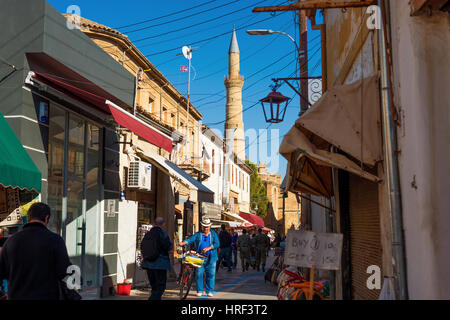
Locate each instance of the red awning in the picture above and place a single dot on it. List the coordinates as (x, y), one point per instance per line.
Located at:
(256, 220)
(143, 130)
(121, 116)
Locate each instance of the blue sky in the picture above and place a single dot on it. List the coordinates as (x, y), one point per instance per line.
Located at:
(262, 57)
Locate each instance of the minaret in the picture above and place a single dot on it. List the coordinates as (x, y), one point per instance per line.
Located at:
(234, 83)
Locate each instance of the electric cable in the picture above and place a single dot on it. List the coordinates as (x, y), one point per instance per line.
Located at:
(182, 18)
(166, 15)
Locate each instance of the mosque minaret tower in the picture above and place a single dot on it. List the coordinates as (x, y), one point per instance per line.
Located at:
(234, 83)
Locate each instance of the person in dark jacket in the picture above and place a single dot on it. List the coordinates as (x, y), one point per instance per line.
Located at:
(34, 261)
(234, 240)
(157, 270)
(225, 248)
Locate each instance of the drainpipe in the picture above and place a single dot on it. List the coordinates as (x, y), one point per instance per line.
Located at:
(136, 88)
(391, 165)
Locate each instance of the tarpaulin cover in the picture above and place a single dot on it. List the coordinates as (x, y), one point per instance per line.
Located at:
(348, 117)
(309, 168)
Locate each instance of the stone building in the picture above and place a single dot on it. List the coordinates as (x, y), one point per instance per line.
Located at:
(174, 189)
(278, 219)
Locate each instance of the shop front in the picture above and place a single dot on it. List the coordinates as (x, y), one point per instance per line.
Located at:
(20, 181)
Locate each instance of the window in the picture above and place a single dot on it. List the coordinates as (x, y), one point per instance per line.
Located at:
(164, 115)
(232, 174)
(173, 120)
(150, 104)
(213, 163)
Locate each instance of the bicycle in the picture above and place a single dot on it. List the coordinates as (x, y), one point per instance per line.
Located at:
(189, 262)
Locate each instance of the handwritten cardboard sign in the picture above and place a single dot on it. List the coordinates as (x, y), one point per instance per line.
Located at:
(307, 249)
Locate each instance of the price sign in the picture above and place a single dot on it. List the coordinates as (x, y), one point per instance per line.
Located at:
(308, 249)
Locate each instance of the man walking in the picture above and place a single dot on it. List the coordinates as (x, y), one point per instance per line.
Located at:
(205, 242)
(225, 248)
(156, 247)
(34, 260)
(234, 240)
(262, 243)
(243, 245)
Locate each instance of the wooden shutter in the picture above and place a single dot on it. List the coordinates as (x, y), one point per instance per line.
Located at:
(365, 240)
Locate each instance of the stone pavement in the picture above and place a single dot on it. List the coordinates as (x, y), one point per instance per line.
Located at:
(236, 285)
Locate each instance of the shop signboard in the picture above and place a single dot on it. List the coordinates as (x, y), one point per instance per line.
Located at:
(310, 249)
(211, 210)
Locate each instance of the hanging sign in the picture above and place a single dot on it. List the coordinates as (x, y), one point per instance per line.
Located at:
(310, 249)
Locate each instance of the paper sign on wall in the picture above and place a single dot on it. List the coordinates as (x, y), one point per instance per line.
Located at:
(307, 249)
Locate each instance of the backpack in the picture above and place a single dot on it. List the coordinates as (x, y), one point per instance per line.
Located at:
(150, 245)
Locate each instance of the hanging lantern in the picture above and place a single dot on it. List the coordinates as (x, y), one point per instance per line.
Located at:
(276, 112)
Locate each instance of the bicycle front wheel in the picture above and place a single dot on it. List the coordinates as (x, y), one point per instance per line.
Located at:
(187, 277)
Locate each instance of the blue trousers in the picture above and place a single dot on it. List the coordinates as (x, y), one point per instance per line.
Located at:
(224, 253)
(234, 251)
(209, 270)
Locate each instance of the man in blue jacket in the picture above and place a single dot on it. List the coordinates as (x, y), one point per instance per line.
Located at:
(157, 269)
(205, 242)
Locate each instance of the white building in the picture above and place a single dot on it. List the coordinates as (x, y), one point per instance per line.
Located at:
(230, 176)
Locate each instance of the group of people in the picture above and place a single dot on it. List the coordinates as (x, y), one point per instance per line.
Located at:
(40, 260)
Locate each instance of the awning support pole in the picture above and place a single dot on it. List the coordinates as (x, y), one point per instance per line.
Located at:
(313, 201)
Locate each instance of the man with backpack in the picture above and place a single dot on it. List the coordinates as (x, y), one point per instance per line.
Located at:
(225, 248)
(155, 248)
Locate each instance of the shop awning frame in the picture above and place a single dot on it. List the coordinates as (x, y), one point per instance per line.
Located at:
(174, 171)
(120, 115)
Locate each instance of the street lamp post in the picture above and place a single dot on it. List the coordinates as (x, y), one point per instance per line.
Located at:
(264, 32)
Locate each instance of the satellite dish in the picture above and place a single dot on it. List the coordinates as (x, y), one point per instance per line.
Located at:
(187, 52)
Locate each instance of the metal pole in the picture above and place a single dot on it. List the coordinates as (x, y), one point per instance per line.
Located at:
(188, 103)
(303, 60)
(392, 174)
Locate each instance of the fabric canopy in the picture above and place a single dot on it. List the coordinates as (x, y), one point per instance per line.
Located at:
(252, 218)
(121, 116)
(348, 117)
(309, 168)
(17, 169)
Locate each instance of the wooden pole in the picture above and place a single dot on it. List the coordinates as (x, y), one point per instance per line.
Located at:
(317, 4)
(311, 283)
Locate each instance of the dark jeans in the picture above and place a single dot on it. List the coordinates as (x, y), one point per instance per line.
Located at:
(224, 253)
(234, 251)
(157, 279)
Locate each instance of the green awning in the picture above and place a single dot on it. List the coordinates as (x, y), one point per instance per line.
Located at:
(17, 169)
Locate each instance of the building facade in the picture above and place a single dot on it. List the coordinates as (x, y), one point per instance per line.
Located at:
(160, 104)
(230, 177)
(346, 158)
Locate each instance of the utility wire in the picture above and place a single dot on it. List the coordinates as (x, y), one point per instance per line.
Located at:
(166, 15)
(197, 24)
(181, 18)
(258, 81)
(213, 37)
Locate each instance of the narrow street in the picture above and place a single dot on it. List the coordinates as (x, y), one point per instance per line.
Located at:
(235, 285)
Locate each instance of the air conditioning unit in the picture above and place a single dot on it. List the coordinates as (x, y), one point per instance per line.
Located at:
(140, 175)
